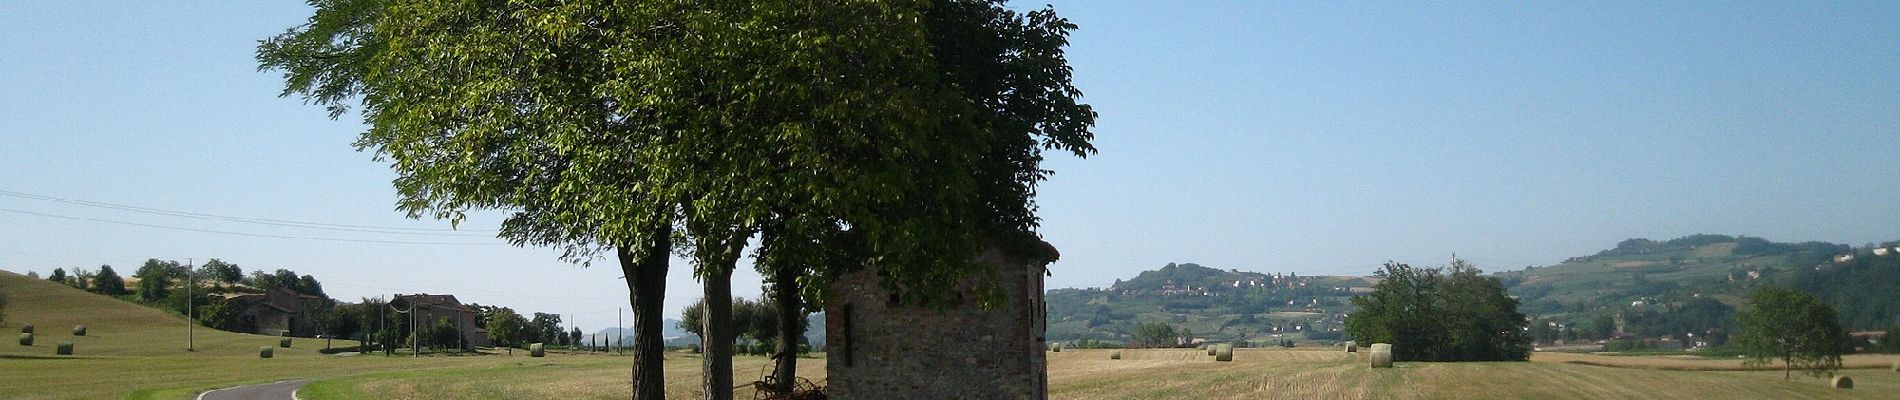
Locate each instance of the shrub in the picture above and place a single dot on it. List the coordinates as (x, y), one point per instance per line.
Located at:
(1843, 382)
(26, 339)
(1225, 353)
(65, 349)
(265, 352)
(537, 350)
(1115, 355)
(79, 330)
(1381, 355)
(284, 343)
(26, 328)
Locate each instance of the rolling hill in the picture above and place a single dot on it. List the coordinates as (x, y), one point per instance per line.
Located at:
(116, 328)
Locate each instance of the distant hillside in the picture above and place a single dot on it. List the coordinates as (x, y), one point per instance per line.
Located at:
(116, 328)
(1660, 288)
(1212, 303)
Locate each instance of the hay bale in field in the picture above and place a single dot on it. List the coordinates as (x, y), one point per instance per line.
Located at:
(1115, 355)
(65, 349)
(537, 350)
(26, 328)
(1896, 366)
(1381, 355)
(26, 339)
(79, 330)
(1352, 347)
(265, 352)
(284, 343)
(1213, 348)
(1224, 352)
(1057, 347)
(284, 333)
(1843, 382)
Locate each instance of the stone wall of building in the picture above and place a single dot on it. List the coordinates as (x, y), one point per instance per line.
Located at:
(881, 350)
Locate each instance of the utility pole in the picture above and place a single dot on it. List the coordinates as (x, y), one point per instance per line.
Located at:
(191, 324)
(620, 331)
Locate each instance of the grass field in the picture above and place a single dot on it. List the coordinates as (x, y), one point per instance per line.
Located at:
(136, 352)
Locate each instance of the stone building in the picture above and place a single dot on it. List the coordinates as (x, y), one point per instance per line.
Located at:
(431, 307)
(879, 349)
(276, 310)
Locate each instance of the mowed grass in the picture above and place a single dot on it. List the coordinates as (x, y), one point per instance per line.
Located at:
(1335, 374)
(1161, 374)
(554, 377)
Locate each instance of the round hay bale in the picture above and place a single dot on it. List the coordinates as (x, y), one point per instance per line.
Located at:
(1115, 355)
(1381, 355)
(284, 343)
(1212, 349)
(1843, 382)
(1352, 347)
(65, 349)
(1896, 366)
(26, 339)
(26, 328)
(537, 350)
(265, 352)
(284, 333)
(1057, 347)
(79, 330)
(1224, 352)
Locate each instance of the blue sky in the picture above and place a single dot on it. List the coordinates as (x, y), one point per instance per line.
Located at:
(1313, 137)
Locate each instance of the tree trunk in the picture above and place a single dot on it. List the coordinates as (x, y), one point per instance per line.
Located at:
(646, 291)
(790, 308)
(716, 364)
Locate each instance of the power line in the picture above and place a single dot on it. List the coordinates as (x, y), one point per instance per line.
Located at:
(260, 221)
(240, 233)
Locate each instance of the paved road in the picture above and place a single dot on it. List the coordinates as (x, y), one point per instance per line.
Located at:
(286, 390)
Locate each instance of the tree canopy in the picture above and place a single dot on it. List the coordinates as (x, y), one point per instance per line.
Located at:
(1794, 327)
(1430, 315)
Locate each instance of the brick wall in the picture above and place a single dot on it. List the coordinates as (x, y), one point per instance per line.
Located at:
(881, 350)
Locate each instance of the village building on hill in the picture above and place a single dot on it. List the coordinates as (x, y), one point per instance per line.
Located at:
(428, 308)
(276, 310)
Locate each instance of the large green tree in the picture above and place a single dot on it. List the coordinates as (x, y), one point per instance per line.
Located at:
(1791, 326)
(605, 125)
(108, 282)
(1428, 314)
(155, 279)
(505, 328)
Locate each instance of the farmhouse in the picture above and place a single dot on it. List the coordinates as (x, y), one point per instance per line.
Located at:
(274, 311)
(882, 349)
(429, 308)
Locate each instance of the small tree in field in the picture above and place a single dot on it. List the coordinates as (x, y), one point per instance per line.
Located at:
(1794, 327)
(108, 282)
